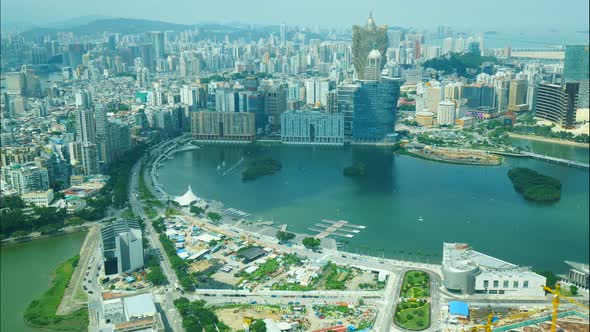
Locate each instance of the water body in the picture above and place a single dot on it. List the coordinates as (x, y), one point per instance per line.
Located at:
(470, 204)
(26, 270)
(570, 152)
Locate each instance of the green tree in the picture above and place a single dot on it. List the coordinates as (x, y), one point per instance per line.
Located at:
(285, 236)
(258, 326)
(156, 276)
(215, 217)
(197, 211)
(311, 243)
(552, 279)
(20, 234)
(574, 290)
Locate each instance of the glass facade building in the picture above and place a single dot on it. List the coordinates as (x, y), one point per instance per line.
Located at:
(375, 111)
(576, 65)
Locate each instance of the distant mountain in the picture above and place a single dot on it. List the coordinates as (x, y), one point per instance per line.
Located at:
(74, 22)
(122, 25)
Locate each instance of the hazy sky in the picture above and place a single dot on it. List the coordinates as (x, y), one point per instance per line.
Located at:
(477, 14)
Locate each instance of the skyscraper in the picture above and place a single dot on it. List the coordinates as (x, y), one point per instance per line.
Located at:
(576, 65)
(157, 39)
(283, 33)
(364, 40)
(375, 111)
(90, 159)
(85, 126)
(557, 103)
(517, 97)
(122, 247)
(576, 69)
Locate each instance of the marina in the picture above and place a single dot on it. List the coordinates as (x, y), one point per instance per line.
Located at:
(331, 227)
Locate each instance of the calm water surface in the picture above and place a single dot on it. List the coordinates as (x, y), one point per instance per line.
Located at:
(26, 270)
(470, 204)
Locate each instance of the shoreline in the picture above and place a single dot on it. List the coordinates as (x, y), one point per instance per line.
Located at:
(550, 140)
(13, 241)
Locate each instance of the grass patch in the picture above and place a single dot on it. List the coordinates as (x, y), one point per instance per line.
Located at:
(413, 315)
(128, 214)
(41, 313)
(264, 270)
(416, 285)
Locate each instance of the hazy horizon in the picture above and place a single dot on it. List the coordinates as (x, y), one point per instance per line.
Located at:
(501, 15)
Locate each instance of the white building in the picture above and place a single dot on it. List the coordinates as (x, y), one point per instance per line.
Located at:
(446, 113)
(129, 313)
(467, 271)
(39, 198)
(26, 178)
(316, 90)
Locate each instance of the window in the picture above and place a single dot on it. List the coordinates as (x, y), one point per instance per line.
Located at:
(515, 284)
(501, 292)
(496, 283)
(505, 284)
(525, 284)
(486, 283)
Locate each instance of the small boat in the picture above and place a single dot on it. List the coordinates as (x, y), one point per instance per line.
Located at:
(420, 219)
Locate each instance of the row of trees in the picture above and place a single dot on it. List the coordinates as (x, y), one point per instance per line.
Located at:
(197, 317)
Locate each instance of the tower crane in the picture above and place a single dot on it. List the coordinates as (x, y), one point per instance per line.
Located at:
(556, 302)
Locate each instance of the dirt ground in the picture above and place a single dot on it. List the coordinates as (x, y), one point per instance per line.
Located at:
(201, 265)
(360, 277)
(226, 278)
(235, 319)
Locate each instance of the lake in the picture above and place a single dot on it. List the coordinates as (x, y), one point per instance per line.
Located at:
(26, 270)
(472, 204)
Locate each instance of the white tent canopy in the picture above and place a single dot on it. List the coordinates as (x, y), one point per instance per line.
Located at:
(187, 198)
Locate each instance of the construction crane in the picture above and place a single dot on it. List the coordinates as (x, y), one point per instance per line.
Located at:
(556, 302)
(487, 327)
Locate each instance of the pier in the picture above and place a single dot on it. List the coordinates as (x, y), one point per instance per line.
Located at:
(557, 160)
(339, 228)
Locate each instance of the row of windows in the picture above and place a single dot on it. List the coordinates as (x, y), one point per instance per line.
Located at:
(505, 284)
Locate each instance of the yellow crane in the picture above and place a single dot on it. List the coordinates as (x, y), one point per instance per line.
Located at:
(556, 301)
(487, 327)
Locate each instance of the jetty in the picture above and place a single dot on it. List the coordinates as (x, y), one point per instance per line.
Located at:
(340, 228)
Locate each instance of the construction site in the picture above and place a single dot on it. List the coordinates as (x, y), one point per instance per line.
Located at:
(564, 314)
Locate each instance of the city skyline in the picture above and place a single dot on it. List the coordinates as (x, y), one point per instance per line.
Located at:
(462, 14)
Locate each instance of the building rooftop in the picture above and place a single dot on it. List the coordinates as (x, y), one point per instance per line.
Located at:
(139, 306)
(460, 257)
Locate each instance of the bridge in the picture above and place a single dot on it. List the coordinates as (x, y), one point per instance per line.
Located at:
(557, 160)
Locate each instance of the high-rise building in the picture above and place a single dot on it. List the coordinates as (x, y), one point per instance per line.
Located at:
(373, 69)
(276, 104)
(90, 159)
(448, 45)
(374, 115)
(223, 126)
(332, 103)
(576, 64)
(557, 103)
(316, 91)
(312, 127)
(226, 100)
(15, 83)
(446, 113)
(364, 40)
(283, 33)
(122, 247)
(26, 178)
(83, 99)
(347, 99)
(75, 152)
(85, 126)
(517, 97)
(395, 38)
(576, 69)
(157, 39)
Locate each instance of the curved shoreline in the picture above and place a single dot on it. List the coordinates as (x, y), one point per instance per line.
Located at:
(550, 140)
